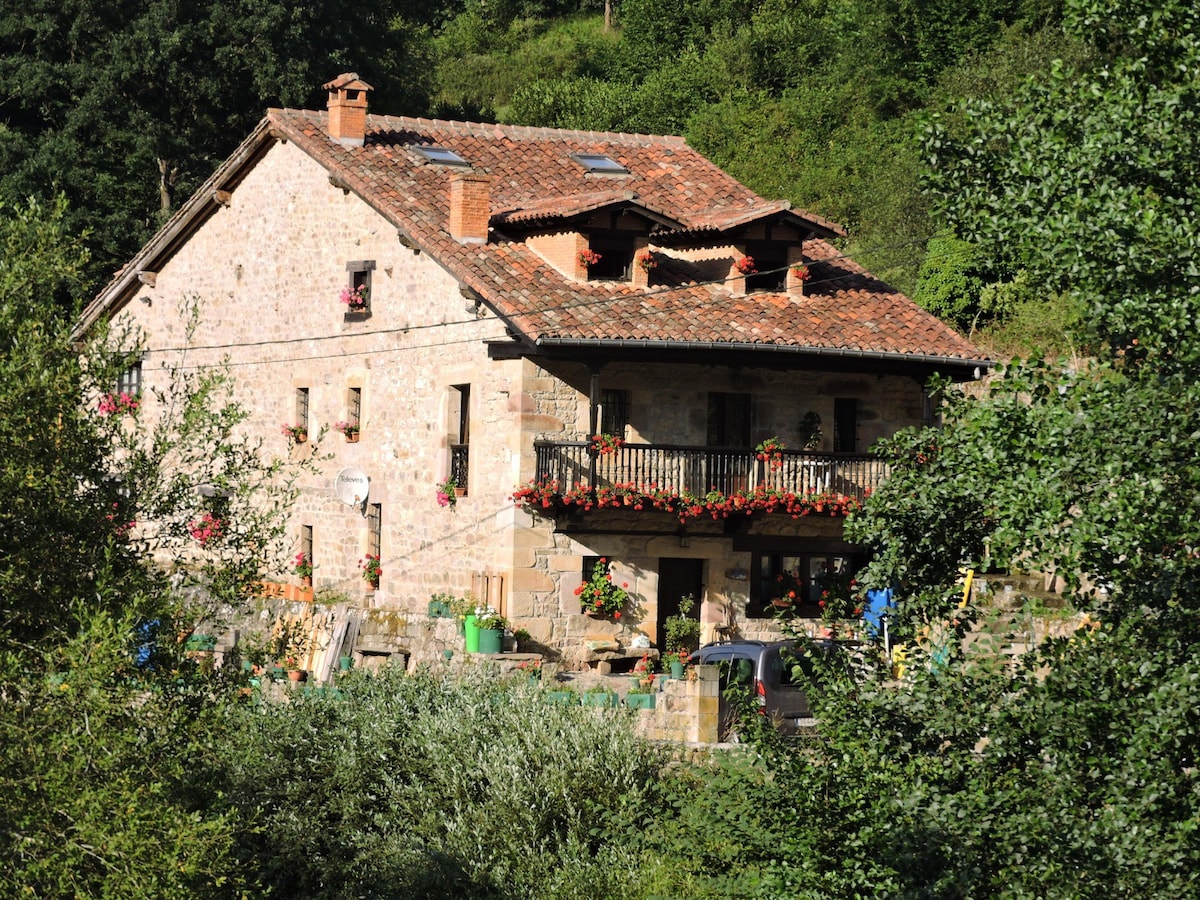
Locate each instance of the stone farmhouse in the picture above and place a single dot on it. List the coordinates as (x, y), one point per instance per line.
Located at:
(476, 303)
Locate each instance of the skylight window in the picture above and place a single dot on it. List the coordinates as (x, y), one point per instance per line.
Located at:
(599, 164)
(440, 156)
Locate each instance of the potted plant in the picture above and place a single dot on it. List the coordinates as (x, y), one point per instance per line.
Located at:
(770, 451)
(491, 627)
(786, 589)
(801, 272)
(599, 697)
(606, 444)
(682, 636)
(355, 298)
(588, 257)
(647, 261)
(372, 570)
(349, 429)
(303, 567)
(746, 265)
(297, 433)
(599, 596)
(564, 695)
(641, 694)
(447, 492)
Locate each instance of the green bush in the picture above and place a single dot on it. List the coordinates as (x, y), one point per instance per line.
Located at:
(415, 786)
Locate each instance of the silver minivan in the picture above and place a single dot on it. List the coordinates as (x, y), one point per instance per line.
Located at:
(768, 671)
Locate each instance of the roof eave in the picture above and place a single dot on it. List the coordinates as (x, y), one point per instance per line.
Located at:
(967, 367)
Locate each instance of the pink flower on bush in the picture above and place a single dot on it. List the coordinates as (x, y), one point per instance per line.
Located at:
(206, 529)
(117, 403)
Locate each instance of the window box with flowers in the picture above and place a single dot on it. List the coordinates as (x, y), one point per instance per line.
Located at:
(372, 570)
(349, 429)
(647, 261)
(599, 596)
(801, 273)
(297, 433)
(746, 265)
(356, 298)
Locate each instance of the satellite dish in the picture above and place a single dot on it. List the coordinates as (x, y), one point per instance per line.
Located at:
(351, 486)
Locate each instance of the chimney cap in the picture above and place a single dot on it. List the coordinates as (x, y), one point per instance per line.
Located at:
(347, 80)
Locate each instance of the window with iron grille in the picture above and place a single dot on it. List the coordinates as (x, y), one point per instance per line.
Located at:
(461, 435)
(354, 407)
(375, 529)
(302, 406)
(130, 381)
(306, 542)
(614, 411)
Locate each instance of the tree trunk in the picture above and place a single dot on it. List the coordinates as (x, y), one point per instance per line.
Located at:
(166, 186)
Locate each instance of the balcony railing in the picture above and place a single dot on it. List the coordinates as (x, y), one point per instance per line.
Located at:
(698, 470)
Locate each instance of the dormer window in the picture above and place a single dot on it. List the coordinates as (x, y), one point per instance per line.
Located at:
(615, 261)
(771, 264)
(439, 156)
(599, 164)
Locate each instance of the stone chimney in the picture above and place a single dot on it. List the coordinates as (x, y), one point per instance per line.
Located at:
(469, 209)
(348, 109)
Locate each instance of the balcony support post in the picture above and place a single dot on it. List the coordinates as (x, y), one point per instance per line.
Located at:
(593, 418)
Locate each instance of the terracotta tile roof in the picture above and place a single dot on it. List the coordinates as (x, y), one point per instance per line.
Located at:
(533, 178)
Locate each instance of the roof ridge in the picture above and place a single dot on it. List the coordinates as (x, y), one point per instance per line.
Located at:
(530, 132)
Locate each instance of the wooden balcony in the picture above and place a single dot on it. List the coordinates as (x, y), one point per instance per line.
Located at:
(699, 470)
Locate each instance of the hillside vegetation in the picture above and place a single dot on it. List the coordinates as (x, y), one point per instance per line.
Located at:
(119, 105)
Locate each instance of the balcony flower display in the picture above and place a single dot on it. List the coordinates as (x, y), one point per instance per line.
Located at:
(588, 257)
(355, 298)
(551, 495)
(372, 569)
(746, 265)
(606, 444)
(770, 451)
(599, 595)
(349, 429)
(297, 433)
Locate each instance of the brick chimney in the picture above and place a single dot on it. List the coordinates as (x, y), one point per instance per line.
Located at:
(469, 210)
(348, 109)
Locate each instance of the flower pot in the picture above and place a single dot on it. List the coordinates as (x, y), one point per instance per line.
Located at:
(472, 634)
(352, 438)
(676, 670)
(296, 675)
(490, 640)
(306, 581)
(600, 698)
(639, 701)
(564, 698)
(345, 662)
